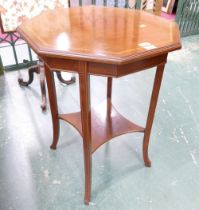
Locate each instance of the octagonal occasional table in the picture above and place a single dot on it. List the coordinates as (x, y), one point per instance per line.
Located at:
(110, 42)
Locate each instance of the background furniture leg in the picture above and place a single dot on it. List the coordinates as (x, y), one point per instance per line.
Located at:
(61, 79)
(43, 88)
(109, 87)
(1, 66)
(84, 88)
(53, 105)
(151, 112)
(38, 69)
(31, 71)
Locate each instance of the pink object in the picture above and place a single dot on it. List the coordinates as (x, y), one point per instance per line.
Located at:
(168, 16)
(3, 35)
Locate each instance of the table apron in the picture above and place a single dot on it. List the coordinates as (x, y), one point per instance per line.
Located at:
(102, 69)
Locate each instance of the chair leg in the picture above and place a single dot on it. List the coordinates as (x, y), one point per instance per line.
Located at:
(31, 71)
(67, 82)
(39, 69)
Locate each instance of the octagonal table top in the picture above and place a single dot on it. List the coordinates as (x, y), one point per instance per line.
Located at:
(102, 34)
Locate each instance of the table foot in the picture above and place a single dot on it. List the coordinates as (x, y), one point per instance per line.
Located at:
(147, 163)
(87, 202)
(88, 172)
(55, 134)
(53, 146)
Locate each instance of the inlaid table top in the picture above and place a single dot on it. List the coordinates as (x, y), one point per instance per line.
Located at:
(108, 35)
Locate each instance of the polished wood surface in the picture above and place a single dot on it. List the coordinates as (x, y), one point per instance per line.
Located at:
(106, 123)
(107, 35)
(53, 105)
(107, 42)
(151, 112)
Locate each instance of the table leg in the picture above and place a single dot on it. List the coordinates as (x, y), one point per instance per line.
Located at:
(152, 107)
(109, 87)
(43, 88)
(53, 105)
(109, 106)
(84, 87)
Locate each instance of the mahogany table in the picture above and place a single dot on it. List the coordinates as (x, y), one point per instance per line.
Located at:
(110, 42)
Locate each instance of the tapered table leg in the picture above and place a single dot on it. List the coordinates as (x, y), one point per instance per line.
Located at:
(109, 107)
(152, 107)
(109, 87)
(53, 105)
(84, 87)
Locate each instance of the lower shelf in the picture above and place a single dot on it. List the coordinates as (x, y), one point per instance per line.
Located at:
(106, 123)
